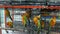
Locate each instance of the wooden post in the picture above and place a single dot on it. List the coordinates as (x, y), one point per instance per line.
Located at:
(0, 31)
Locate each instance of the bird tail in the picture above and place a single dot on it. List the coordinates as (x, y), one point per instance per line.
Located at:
(10, 18)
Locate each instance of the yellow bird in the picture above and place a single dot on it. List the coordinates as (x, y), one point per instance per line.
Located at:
(10, 24)
(25, 16)
(35, 20)
(23, 19)
(53, 21)
(7, 13)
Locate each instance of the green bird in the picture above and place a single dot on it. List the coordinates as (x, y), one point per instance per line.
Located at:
(39, 27)
(25, 19)
(7, 13)
(39, 24)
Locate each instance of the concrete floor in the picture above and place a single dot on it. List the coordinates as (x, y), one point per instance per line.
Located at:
(18, 32)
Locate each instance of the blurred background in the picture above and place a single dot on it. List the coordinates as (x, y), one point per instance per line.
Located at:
(13, 6)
